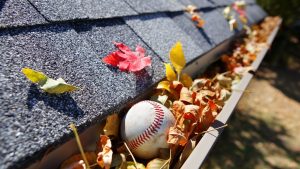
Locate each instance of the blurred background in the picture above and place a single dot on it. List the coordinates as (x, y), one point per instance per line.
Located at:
(264, 130)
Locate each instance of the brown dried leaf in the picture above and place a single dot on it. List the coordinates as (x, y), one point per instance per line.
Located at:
(111, 127)
(176, 137)
(178, 109)
(188, 148)
(104, 158)
(76, 161)
(176, 85)
(191, 112)
(186, 95)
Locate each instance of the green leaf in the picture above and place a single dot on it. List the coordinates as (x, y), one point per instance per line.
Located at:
(131, 165)
(47, 84)
(35, 76)
(177, 57)
(58, 86)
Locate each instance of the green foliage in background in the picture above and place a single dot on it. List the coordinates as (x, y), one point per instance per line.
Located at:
(286, 47)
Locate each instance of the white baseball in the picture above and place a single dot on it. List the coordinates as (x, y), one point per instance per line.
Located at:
(145, 128)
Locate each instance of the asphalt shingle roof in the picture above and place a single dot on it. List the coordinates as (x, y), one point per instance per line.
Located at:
(68, 39)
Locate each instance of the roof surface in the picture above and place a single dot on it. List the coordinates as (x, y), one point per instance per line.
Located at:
(68, 38)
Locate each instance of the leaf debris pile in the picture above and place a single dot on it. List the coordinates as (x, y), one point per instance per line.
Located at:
(194, 103)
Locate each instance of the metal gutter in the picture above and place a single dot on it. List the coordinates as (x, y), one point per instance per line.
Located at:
(206, 143)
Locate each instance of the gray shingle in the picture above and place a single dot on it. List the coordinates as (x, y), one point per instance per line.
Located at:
(197, 34)
(223, 2)
(151, 6)
(56, 10)
(199, 4)
(216, 26)
(255, 13)
(30, 116)
(161, 33)
(18, 13)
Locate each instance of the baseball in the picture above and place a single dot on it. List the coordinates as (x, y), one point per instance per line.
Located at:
(145, 128)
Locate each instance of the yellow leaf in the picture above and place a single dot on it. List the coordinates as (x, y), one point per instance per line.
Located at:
(35, 76)
(186, 80)
(170, 74)
(57, 86)
(165, 85)
(177, 57)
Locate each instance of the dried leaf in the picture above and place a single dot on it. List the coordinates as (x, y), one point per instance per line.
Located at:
(170, 74)
(186, 95)
(190, 9)
(176, 137)
(232, 24)
(186, 80)
(162, 99)
(104, 158)
(176, 85)
(125, 59)
(157, 164)
(199, 84)
(178, 108)
(188, 148)
(111, 127)
(191, 112)
(131, 165)
(76, 161)
(47, 84)
(227, 12)
(200, 23)
(177, 57)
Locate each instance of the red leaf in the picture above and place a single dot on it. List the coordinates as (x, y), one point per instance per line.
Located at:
(128, 60)
(112, 59)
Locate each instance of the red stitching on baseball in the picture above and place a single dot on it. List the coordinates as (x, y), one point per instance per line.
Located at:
(151, 130)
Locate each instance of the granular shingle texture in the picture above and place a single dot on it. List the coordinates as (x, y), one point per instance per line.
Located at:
(216, 33)
(68, 39)
(197, 3)
(151, 6)
(18, 13)
(161, 33)
(255, 14)
(197, 34)
(56, 10)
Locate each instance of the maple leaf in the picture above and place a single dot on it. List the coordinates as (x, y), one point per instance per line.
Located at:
(128, 60)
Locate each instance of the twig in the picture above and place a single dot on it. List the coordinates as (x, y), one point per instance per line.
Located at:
(94, 165)
(165, 164)
(135, 163)
(203, 132)
(72, 126)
